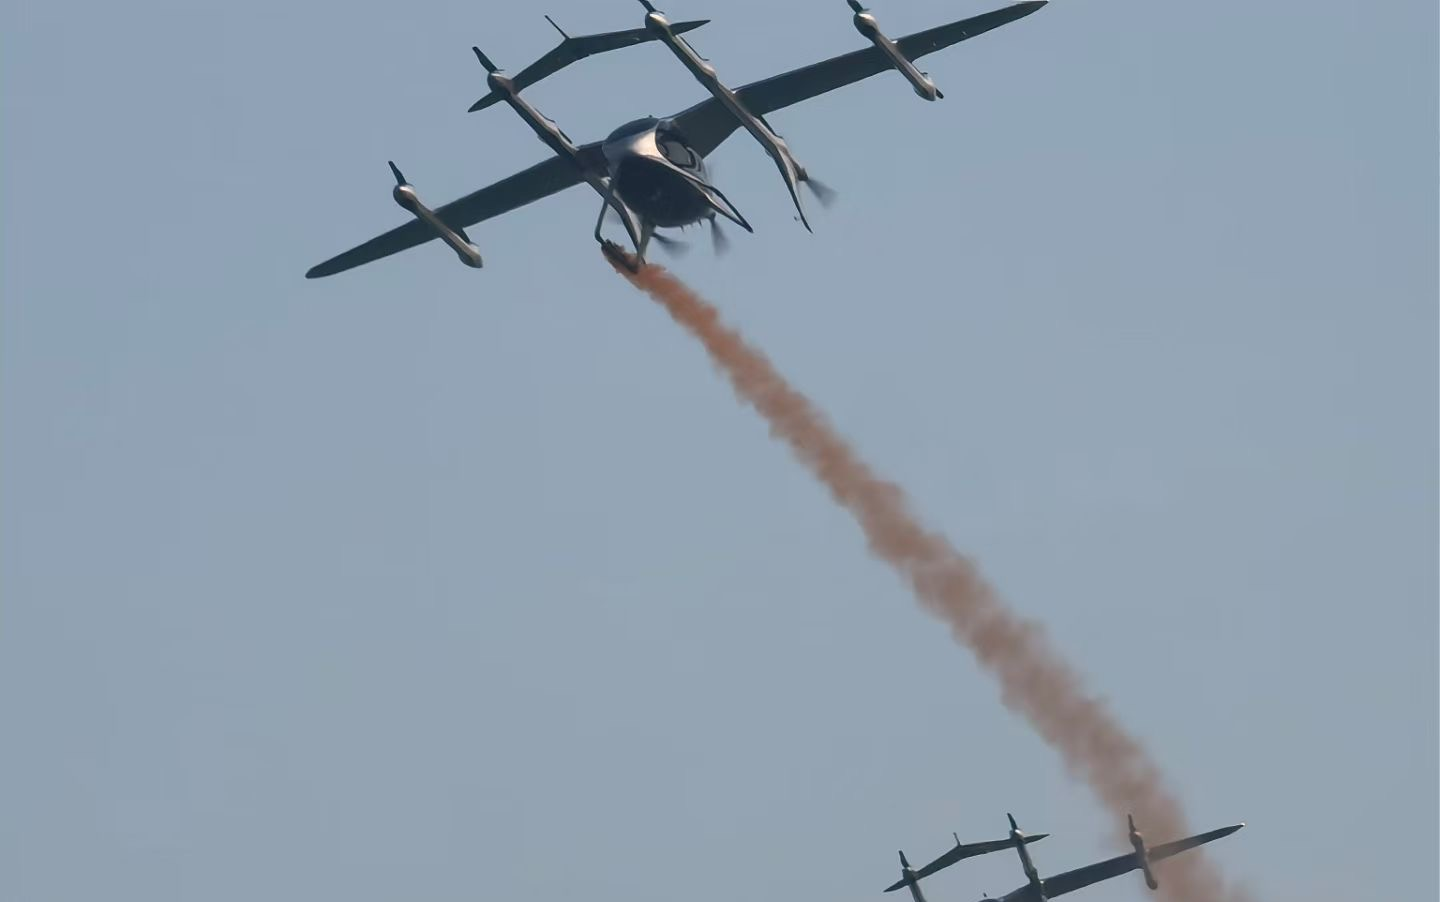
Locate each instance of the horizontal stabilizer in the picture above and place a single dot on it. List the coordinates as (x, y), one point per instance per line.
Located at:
(961, 852)
(573, 49)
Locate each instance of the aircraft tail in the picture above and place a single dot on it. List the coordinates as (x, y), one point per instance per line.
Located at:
(572, 49)
(960, 852)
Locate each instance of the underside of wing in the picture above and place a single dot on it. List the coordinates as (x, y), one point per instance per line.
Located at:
(524, 187)
(1190, 842)
(1104, 870)
(970, 850)
(1070, 881)
(573, 49)
(963, 851)
(707, 124)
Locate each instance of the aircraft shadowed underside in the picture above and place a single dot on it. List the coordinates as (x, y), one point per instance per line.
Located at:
(1038, 889)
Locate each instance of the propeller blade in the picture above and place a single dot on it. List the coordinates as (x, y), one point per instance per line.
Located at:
(823, 192)
(674, 246)
(718, 239)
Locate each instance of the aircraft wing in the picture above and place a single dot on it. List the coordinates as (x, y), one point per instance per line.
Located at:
(529, 185)
(704, 125)
(708, 123)
(573, 49)
(961, 852)
(1079, 878)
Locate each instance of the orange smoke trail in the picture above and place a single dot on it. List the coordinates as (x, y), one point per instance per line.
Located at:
(1033, 677)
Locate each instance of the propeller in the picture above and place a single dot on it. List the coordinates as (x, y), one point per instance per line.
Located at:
(718, 240)
(673, 245)
(823, 192)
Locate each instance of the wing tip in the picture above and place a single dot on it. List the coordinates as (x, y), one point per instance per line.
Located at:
(328, 268)
(487, 101)
(1023, 8)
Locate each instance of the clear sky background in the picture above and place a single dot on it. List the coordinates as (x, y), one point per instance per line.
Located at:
(430, 584)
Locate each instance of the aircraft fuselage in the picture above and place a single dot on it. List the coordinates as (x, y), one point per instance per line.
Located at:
(657, 174)
(662, 178)
(658, 194)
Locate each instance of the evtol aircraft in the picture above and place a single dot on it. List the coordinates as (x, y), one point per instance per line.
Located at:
(1038, 889)
(651, 172)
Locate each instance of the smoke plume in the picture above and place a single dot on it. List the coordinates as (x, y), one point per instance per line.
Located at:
(1034, 679)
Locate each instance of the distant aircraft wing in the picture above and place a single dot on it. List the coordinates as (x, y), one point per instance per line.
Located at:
(527, 186)
(707, 124)
(961, 852)
(1070, 881)
(572, 50)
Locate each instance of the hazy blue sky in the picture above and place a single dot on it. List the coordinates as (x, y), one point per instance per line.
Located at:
(430, 584)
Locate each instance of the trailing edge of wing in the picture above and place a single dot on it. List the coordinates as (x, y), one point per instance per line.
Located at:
(970, 850)
(573, 49)
(707, 124)
(1184, 845)
(961, 852)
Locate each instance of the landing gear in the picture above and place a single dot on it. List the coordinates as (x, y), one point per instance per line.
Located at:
(612, 250)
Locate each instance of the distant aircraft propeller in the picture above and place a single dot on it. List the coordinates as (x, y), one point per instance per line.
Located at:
(718, 240)
(673, 245)
(823, 192)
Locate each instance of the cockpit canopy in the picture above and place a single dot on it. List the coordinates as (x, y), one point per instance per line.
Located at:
(668, 139)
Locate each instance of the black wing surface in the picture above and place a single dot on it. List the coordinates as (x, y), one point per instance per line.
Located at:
(707, 124)
(970, 850)
(529, 185)
(1079, 878)
(962, 851)
(573, 49)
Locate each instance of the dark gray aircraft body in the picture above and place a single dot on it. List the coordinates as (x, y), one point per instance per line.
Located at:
(910, 878)
(651, 171)
(1038, 889)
